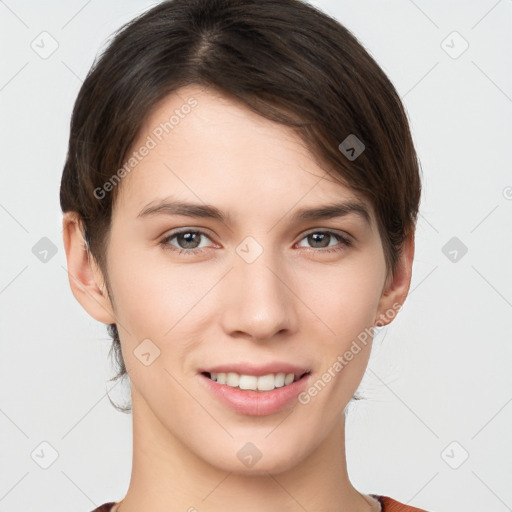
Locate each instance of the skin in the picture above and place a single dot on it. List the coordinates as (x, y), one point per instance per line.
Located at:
(294, 303)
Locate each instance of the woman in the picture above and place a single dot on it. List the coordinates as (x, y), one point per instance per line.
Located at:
(240, 199)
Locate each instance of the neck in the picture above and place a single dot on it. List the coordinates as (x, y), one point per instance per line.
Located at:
(165, 474)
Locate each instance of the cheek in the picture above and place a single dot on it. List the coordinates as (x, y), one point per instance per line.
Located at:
(347, 306)
(158, 301)
(345, 296)
(152, 295)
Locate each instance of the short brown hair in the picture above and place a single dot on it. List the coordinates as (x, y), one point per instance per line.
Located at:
(284, 59)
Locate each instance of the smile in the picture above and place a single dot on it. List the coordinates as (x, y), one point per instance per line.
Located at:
(252, 382)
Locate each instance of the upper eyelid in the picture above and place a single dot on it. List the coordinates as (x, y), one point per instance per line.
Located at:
(326, 230)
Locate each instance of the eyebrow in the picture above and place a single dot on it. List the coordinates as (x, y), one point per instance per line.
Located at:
(205, 211)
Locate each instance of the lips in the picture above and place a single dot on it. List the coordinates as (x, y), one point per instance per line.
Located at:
(256, 390)
(256, 403)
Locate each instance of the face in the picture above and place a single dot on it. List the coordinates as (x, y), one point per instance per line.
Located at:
(240, 283)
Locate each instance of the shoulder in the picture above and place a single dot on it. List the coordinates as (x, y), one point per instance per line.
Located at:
(391, 505)
(106, 507)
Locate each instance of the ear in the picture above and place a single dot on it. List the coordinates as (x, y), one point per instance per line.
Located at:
(85, 278)
(397, 285)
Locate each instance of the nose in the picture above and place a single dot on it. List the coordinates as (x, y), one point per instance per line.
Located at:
(259, 300)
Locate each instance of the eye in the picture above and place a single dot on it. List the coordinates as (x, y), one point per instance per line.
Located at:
(188, 241)
(322, 239)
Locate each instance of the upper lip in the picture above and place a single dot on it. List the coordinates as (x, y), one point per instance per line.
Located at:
(257, 370)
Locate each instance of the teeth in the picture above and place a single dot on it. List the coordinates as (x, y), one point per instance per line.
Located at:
(262, 383)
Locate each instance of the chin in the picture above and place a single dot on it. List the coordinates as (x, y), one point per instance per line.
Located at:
(256, 458)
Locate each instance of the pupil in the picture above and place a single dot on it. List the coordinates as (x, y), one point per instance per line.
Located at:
(187, 237)
(323, 237)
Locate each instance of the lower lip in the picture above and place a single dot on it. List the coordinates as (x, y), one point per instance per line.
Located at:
(256, 403)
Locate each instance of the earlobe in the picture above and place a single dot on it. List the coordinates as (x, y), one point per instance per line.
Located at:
(397, 285)
(85, 278)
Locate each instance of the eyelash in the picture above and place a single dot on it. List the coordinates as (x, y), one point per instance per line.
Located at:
(345, 242)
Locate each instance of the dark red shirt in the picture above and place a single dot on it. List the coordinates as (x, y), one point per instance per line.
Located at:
(387, 504)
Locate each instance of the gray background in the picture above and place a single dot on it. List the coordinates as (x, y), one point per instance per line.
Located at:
(439, 383)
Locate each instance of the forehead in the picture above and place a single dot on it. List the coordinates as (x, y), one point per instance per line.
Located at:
(201, 145)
